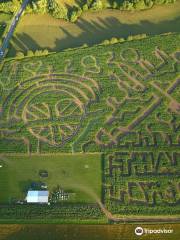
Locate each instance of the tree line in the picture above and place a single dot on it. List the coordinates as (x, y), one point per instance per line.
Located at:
(71, 13)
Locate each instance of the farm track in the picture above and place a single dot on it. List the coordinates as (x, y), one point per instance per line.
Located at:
(127, 219)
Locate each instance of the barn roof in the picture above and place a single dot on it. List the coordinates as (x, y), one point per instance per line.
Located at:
(37, 197)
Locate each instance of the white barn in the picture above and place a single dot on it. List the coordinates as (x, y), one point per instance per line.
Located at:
(37, 197)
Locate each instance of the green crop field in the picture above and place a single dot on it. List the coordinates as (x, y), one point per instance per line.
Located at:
(98, 232)
(121, 101)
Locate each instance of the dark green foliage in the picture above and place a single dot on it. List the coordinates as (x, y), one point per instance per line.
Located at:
(53, 212)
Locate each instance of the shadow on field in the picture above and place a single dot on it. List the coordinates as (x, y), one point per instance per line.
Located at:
(24, 43)
(25, 185)
(94, 32)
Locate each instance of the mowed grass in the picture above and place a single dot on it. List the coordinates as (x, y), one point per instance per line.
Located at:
(43, 31)
(78, 173)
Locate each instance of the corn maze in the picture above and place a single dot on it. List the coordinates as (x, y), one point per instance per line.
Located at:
(53, 122)
(122, 100)
(142, 182)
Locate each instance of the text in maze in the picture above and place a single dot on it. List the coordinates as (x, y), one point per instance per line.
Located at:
(149, 178)
(147, 95)
(51, 107)
(94, 103)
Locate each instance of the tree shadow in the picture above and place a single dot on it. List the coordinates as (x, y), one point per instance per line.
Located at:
(2, 29)
(23, 42)
(95, 31)
(25, 185)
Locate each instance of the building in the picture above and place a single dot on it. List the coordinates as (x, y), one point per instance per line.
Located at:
(37, 197)
(43, 173)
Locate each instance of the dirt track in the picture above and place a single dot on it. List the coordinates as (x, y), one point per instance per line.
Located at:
(128, 219)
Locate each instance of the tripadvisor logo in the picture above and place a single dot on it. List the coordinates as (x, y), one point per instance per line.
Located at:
(140, 231)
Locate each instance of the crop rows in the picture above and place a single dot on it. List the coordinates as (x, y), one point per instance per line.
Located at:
(121, 97)
(122, 100)
(147, 182)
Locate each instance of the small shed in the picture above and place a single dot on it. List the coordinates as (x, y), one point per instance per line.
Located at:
(43, 173)
(37, 196)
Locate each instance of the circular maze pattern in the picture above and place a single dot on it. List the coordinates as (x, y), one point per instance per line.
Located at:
(51, 107)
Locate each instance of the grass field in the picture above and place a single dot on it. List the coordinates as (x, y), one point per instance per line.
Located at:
(95, 232)
(43, 31)
(78, 173)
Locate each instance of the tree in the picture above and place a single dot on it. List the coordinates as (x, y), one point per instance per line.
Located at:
(113, 40)
(139, 4)
(38, 53)
(42, 6)
(60, 11)
(97, 5)
(20, 55)
(115, 5)
(84, 45)
(149, 3)
(130, 38)
(74, 16)
(159, 1)
(127, 5)
(85, 7)
(121, 40)
(89, 2)
(105, 42)
(45, 52)
(30, 53)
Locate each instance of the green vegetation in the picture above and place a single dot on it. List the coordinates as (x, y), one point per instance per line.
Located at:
(78, 174)
(73, 173)
(119, 99)
(142, 183)
(9, 6)
(59, 9)
(5, 17)
(59, 213)
(33, 125)
(104, 232)
(4, 21)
